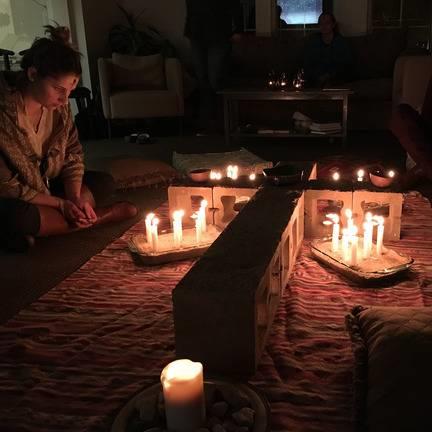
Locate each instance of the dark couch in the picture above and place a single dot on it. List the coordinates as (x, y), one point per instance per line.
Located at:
(375, 55)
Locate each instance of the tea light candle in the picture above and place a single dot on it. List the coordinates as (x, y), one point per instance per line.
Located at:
(215, 175)
(183, 390)
(154, 234)
(148, 227)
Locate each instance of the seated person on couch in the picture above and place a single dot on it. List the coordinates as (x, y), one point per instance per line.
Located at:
(41, 161)
(327, 57)
(414, 132)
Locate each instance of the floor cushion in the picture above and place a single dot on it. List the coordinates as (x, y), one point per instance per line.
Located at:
(137, 172)
(393, 374)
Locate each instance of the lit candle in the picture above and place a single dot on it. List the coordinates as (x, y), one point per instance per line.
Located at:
(354, 246)
(154, 234)
(367, 235)
(215, 175)
(350, 222)
(336, 176)
(232, 172)
(202, 214)
(380, 235)
(148, 226)
(345, 245)
(178, 228)
(198, 230)
(360, 175)
(335, 233)
(252, 176)
(391, 174)
(183, 390)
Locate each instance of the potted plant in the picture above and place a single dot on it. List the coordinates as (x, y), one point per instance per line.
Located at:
(145, 40)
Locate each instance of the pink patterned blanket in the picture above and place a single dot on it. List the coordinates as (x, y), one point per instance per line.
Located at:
(73, 358)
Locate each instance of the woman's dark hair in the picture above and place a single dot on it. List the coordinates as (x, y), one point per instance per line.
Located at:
(333, 18)
(53, 55)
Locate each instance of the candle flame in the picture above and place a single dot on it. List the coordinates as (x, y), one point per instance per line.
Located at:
(391, 173)
(360, 173)
(348, 213)
(178, 214)
(369, 216)
(204, 203)
(150, 217)
(252, 176)
(327, 222)
(181, 370)
(333, 217)
(336, 176)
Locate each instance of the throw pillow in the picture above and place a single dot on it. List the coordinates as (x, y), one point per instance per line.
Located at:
(138, 72)
(393, 368)
(135, 172)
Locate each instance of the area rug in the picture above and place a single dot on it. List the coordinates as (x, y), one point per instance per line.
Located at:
(70, 360)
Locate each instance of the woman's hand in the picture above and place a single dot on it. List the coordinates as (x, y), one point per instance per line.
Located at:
(86, 208)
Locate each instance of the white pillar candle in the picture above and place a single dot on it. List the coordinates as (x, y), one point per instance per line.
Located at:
(335, 232)
(183, 390)
(350, 222)
(203, 215)
(367, 235)
(380, 235)
(154, 234)
(148, 221)
(198, 230)
(354, 247)
(345, 245)
(178, 228)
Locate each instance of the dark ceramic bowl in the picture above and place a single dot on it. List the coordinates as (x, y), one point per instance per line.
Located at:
(199, 175)
(283, 174)
(379, 179)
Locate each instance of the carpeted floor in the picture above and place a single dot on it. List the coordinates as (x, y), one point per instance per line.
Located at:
(24, 278)
(72, 359)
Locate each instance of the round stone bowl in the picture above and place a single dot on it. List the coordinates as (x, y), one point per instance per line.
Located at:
(199, 175)
(380, 179)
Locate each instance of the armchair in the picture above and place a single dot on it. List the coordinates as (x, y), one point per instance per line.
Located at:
(135, 87)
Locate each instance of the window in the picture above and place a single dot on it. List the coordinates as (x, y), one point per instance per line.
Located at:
(412, 15)
(295, 14)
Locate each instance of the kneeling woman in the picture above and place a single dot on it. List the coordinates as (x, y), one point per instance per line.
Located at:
(42, 191)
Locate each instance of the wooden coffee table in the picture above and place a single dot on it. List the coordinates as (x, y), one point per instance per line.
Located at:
(232, 97)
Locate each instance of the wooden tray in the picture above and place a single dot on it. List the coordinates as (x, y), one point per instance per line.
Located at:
(166, 252)
(258, 403)
(392, 263)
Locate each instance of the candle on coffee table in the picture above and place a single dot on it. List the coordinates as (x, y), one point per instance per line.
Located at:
(183, 390)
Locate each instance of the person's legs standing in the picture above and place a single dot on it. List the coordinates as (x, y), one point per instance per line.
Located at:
(200, 61)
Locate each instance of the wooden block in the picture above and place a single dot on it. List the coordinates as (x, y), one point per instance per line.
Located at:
(224, 306)
(180, 198)
(228, 201)
(387, 204)
(318, 203)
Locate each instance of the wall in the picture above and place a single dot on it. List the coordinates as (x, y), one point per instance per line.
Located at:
(168, 17)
